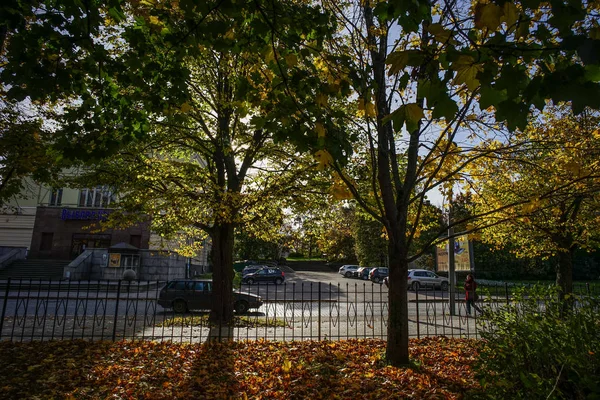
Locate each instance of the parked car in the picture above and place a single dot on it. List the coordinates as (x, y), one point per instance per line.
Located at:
(348, 270)
(363, 273)
(377, 274)
(422, 277)
(252, 269)
(265, 275)
(186, 294)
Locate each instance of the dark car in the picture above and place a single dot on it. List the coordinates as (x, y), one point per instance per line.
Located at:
(265, 275)
(377, 274)
(252, 269)
(185, 294)
(363, 273)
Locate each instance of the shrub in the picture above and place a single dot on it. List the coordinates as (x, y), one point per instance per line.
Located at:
(533, 348)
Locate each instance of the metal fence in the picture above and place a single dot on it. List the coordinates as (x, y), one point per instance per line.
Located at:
(109, 310)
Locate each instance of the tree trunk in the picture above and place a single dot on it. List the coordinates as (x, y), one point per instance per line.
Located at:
(221, 314)
(397, 338)
(564, 272)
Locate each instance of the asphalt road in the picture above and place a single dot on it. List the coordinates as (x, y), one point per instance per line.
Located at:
(309, 305)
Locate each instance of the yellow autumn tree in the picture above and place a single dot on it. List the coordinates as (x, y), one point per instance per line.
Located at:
(544, 198)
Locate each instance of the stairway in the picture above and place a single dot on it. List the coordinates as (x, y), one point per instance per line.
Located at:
(34, 269)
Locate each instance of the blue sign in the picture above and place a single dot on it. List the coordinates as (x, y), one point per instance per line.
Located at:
(85, 215)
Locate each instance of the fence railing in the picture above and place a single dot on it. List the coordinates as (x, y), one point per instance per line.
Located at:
(115, 310)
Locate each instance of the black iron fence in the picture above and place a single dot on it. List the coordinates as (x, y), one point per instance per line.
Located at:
(109, 310)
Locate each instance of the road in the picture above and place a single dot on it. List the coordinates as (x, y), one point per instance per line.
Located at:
(309, 305)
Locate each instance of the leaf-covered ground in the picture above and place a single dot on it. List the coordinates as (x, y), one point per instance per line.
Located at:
(352, 369)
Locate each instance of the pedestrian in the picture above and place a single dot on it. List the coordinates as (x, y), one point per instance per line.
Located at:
(471, 294)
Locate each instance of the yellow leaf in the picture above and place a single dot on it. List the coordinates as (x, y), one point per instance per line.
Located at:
(230, 35)
(291, 60)
(324, 159)
(397, 60)
(154, 20)
(340, 192)
(438, 31)
(322, 99)
(366, 108)
(287, 365)
(466, 71)
(414, 113)
(488, 16)
(185, 107)
(573, 167)
(511, 14)
(269, 55)
(320, 129)
(370, 110)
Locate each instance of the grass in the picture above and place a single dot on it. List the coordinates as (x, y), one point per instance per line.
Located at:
(238, 322)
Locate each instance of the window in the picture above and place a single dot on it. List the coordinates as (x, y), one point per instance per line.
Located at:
(130, 261)
(46, 243)
(56, 197)
(100, 196)
(135, 240)
(202, 287)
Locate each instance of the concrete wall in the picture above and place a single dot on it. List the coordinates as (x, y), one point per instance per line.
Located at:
(10, 254)
(154, 266)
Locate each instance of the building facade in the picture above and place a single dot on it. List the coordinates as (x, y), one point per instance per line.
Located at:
(61, 223)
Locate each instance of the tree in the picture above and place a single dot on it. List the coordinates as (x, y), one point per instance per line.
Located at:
(25, 152)
(422, 72)
(553, 178)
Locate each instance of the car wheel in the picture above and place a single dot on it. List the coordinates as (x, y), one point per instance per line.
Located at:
(415, 286)
(278, 281)
(241, 307)
(444, 286)
(250, 281)
(179, 306)
(376, 279)
(348, 274)
(365, 277)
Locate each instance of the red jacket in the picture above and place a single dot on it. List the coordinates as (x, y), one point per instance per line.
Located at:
(470, 288)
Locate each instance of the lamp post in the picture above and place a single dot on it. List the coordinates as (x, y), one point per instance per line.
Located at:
(451, 263)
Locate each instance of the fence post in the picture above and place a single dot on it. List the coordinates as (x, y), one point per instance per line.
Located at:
(319, 328)
(4, 306)
(114, 334)
(587, 287)
(506, 291)
(418, 317)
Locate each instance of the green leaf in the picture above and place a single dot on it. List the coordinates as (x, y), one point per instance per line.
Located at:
(491, 97)
(398, 60)
(592, 73)
(445, 107)
(514, 114)
(430, 89)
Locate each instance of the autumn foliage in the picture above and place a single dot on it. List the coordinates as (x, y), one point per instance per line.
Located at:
(441, 369)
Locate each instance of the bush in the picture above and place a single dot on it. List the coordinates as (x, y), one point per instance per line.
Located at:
(534, 349)
(296, 254)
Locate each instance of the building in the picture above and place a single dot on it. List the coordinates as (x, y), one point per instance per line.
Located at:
(64, 223)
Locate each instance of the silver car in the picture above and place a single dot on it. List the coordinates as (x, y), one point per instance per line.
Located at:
(348, 270)
(418, 278)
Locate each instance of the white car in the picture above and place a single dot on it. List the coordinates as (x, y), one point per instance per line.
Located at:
(418, 278)
(348, 270)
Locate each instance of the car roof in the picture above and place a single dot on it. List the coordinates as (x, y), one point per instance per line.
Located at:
(191, 280)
